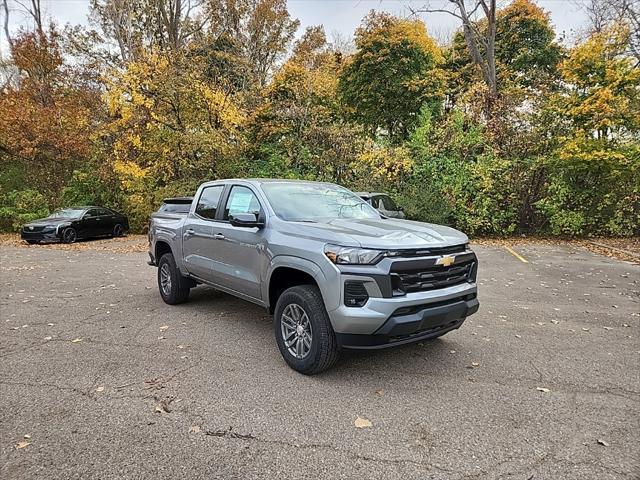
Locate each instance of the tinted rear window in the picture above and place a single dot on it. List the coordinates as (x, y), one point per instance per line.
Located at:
(175, 207)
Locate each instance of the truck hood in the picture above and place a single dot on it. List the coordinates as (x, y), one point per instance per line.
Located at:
(380, 233)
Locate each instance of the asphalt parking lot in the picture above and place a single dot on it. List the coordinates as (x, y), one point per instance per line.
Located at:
(100, 379)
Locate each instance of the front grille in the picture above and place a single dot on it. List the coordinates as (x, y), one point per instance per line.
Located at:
(33, 229)
(423, 252)
(434, 277)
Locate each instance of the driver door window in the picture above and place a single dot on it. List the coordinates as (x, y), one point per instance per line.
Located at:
(241, 200)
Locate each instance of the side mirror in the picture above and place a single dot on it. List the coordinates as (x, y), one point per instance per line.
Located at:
(245, 220)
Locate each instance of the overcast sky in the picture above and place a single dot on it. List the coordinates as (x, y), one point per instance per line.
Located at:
(341, 16)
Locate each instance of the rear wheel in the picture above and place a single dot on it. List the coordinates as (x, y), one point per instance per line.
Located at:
(69, 235)
(303, 330)
(118, 230)
(174, 288)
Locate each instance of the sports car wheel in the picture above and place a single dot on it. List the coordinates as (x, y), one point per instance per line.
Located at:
(69, 235)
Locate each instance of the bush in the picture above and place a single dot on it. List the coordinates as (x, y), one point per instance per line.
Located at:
(18, 207)
(85, 188)
(599, 195)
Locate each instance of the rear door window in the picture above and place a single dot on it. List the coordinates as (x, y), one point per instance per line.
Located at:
(103, 212)
(208, 201)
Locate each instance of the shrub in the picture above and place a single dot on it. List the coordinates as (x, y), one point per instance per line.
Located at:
(18, 207)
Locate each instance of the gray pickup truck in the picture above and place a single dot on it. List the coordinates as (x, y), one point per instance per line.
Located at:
(333, 271)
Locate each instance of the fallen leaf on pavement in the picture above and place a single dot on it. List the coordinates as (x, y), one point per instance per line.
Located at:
(603, 442)
(362, 423)
(163, 328)
(27, 436)
(194, 429)
(20, 445)
(76, 340)
(47, 338)
(518, 336)
(380, 392)
(543, 389)
(100, 389)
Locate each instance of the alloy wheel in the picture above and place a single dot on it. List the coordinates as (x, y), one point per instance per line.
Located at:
(165, 279)
(297, 334)
(69, 235)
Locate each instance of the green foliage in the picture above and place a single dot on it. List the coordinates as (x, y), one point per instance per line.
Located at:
(18, 207)
(85, 188)
(556, 150)
(392, 76)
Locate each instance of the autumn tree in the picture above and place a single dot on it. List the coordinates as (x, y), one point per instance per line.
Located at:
(393, 74)
(168, 124)
(138, 24)
(480, 42)
(596, 181)
(263, 29)
(48, 115)
(301, 128)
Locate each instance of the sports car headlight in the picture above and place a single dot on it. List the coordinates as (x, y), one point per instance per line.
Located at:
(353, 255)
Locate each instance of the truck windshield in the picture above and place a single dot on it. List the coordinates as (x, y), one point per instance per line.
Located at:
(311, 201)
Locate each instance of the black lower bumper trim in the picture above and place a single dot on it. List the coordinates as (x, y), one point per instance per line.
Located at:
(425, 323)
(38, 236)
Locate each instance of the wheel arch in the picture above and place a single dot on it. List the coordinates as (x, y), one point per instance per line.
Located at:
(286, 272)
(160, 248)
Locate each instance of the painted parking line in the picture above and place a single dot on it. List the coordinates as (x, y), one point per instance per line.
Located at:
(516, 254)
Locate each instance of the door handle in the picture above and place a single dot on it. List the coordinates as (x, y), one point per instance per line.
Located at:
(189, 232)
(218, 236)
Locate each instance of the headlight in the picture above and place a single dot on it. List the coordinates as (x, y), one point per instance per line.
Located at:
(353, 255)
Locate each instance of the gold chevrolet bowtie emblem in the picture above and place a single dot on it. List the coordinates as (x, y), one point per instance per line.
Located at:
(446, 260)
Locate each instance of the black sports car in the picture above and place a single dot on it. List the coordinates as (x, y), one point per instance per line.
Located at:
(70, 224)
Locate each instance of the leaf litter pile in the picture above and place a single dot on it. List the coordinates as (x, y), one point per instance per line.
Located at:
(128, 244)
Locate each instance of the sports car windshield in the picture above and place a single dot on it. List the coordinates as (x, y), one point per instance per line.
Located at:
(312, 201)
(68, 213)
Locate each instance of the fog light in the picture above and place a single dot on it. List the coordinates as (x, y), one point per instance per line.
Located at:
(355, 294)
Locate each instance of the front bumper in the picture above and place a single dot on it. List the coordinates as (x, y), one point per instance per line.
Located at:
(40, 236)
(407, 299)
(412, 324)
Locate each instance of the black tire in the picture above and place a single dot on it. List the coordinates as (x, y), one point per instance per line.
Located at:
(69, 235)
(118, 230)
(323, 352)
(177, 290)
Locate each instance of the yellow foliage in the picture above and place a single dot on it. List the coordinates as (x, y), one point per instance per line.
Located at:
(386, 164)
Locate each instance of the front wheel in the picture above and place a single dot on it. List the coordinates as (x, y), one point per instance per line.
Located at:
(118, 231)
(303, 330)
(69, 235)
(174, 288)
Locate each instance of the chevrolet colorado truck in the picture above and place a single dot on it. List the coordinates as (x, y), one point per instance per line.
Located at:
(333, 271)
